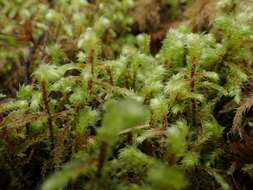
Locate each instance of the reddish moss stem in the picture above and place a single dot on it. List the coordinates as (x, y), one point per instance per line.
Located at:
(109, 72)
(165, 121)
(47, 110)
(90, 60)
(101, 159)
(100, 165)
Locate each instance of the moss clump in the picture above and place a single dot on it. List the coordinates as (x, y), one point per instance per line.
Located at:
(102, 105)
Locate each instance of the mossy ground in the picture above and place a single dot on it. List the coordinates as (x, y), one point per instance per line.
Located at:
(144, 94)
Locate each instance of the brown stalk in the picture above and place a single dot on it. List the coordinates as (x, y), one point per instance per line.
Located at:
(101, 159)
(192, 84)
(47, 110)
(165, 121)
(109, 72)
(100, 164)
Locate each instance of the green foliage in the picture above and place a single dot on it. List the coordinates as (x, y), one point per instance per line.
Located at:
(86, 118)
(162, 177)
(120, 116)
(102, 109)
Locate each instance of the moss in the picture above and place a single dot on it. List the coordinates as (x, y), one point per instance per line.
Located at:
(104, 105)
